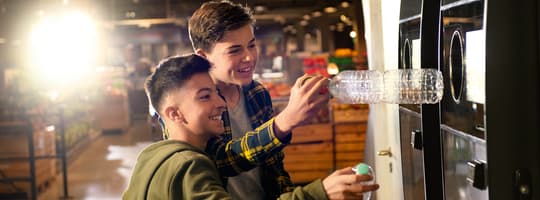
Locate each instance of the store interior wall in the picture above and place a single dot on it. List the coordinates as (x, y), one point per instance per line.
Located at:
(381, 34)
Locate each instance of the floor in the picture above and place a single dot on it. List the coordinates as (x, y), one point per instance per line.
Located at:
(102, 170)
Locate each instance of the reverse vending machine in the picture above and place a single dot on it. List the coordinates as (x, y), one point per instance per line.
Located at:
(482, 140)
(409, 115)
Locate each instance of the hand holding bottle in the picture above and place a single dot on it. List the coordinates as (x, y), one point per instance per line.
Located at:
(345, 184)
(304, 103)
(365, 169)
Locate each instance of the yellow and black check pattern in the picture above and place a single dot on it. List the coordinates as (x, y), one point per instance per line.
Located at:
(259, 147)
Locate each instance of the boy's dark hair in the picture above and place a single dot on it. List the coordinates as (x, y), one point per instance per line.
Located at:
(208, 24)
(171, 74)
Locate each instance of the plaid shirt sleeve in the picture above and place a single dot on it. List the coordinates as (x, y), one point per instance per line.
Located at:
(259, 147)
(242, 154)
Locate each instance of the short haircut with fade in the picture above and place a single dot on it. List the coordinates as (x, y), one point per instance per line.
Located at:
(171, 74)
(209, 23)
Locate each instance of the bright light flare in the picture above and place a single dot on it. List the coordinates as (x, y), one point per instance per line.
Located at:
(63, 48)
(332, 68)
(352, 34)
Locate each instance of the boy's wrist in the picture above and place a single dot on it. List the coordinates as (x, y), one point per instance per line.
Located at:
(282, 127)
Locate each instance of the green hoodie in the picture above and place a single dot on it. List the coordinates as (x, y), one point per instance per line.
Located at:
(177, 170)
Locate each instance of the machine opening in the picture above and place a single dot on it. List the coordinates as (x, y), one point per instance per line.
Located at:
(456, 66)
(406, 59)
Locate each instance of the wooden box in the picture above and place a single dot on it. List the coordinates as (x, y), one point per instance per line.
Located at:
(15, 144)
(350, 143)
(310, 154)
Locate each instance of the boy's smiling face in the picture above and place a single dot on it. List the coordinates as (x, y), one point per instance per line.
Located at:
(200, 105)
(233, 58)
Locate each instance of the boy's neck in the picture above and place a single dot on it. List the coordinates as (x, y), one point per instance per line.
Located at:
(231, 93)
(196, 140)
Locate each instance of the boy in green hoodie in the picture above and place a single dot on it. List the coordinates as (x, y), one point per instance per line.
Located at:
(184, 95)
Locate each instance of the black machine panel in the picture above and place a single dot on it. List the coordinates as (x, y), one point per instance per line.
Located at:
(488, 52)
(463, 104)
(410, 117)
(463, 37)
(411, 155)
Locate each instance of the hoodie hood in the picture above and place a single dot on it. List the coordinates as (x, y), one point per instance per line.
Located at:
(148, 162)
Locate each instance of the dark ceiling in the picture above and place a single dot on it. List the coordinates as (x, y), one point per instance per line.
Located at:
(17, 13)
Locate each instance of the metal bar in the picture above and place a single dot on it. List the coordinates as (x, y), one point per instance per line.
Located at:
(63, 152)
(410, 18)
(457, 4)
(33, 189)
(431, 137)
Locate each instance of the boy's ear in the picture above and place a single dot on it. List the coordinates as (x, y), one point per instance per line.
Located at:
(174, 114)
(200, 53)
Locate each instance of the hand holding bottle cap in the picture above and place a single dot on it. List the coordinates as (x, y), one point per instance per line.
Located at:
(365, 169)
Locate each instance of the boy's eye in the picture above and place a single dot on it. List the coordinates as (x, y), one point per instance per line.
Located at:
(234, 51)
(252, 46)
(204, 97)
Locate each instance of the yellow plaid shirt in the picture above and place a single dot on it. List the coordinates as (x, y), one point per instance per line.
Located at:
(259, 147)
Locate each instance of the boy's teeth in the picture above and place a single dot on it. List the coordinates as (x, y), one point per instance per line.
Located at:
(244, 70)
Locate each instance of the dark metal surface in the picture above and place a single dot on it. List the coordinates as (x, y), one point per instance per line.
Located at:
(411, 159)
(512, 113)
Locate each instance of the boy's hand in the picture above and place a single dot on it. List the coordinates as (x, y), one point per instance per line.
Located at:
(308, 95)
(345, 184)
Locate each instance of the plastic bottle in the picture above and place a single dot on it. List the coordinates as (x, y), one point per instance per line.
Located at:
(413, 86)
(399, 86)
(365, 169)
(355, 87)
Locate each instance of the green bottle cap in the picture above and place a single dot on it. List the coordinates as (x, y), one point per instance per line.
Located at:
(362, 168)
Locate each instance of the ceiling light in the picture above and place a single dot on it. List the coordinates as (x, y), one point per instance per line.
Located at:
(340, 26)
(304, 23)
(280, 19)
(352, 34)
(345, 4)
(307, 36)
(346, 20)
(332, 27)
(330, 9)
(306, 17)
(259, 8)
(316, 13)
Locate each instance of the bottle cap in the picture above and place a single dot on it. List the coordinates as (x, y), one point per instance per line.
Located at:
(362, 168)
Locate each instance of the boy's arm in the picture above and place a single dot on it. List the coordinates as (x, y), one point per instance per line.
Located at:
(239, 155)
(200, 180)
(233, 156)
(314, 190)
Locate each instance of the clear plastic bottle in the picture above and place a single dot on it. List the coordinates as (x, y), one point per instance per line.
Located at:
(356, 87)
(399, 86)
(365, 169)
(413, 86)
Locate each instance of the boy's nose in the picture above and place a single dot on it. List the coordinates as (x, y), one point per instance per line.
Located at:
(248, 56)
(220, 104)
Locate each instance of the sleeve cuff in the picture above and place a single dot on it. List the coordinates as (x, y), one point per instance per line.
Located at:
(269, 127)
(316, 189)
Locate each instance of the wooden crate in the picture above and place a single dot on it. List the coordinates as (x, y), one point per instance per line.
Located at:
(307, 162)
(312, 133)
(350, 143)
(310, 154)
(16, 145)
(350, 115)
